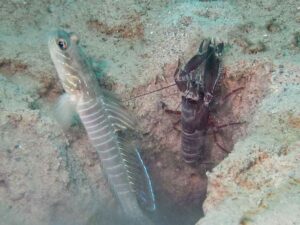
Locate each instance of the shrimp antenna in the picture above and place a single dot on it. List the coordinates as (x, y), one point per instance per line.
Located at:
(141, 95)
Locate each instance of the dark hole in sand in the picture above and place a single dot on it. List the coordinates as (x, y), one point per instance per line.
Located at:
(180, 188)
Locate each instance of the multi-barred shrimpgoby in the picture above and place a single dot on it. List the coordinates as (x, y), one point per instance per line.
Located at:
(106, 121)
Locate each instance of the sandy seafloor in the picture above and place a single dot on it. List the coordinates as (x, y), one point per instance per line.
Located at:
(52, 175)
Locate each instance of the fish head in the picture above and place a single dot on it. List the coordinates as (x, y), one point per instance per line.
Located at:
(70, 62)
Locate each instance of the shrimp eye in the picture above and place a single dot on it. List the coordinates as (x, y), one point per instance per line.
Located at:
(62, 44)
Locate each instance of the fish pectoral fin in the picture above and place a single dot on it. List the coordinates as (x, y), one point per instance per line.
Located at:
(137, 174)
(64, 111)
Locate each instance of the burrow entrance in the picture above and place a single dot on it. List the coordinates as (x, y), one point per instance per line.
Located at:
(180, 188)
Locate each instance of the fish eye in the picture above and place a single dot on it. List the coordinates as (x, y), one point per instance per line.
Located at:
(62, 44)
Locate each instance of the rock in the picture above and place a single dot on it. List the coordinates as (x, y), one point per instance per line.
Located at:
(258, 182)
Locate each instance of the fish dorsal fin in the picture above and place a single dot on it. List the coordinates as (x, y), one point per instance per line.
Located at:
(137, 174)
(132, 161)
(117, 113)
(100, 67)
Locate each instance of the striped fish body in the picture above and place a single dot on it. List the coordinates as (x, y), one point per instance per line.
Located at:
(105, 119)
(102, 135)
